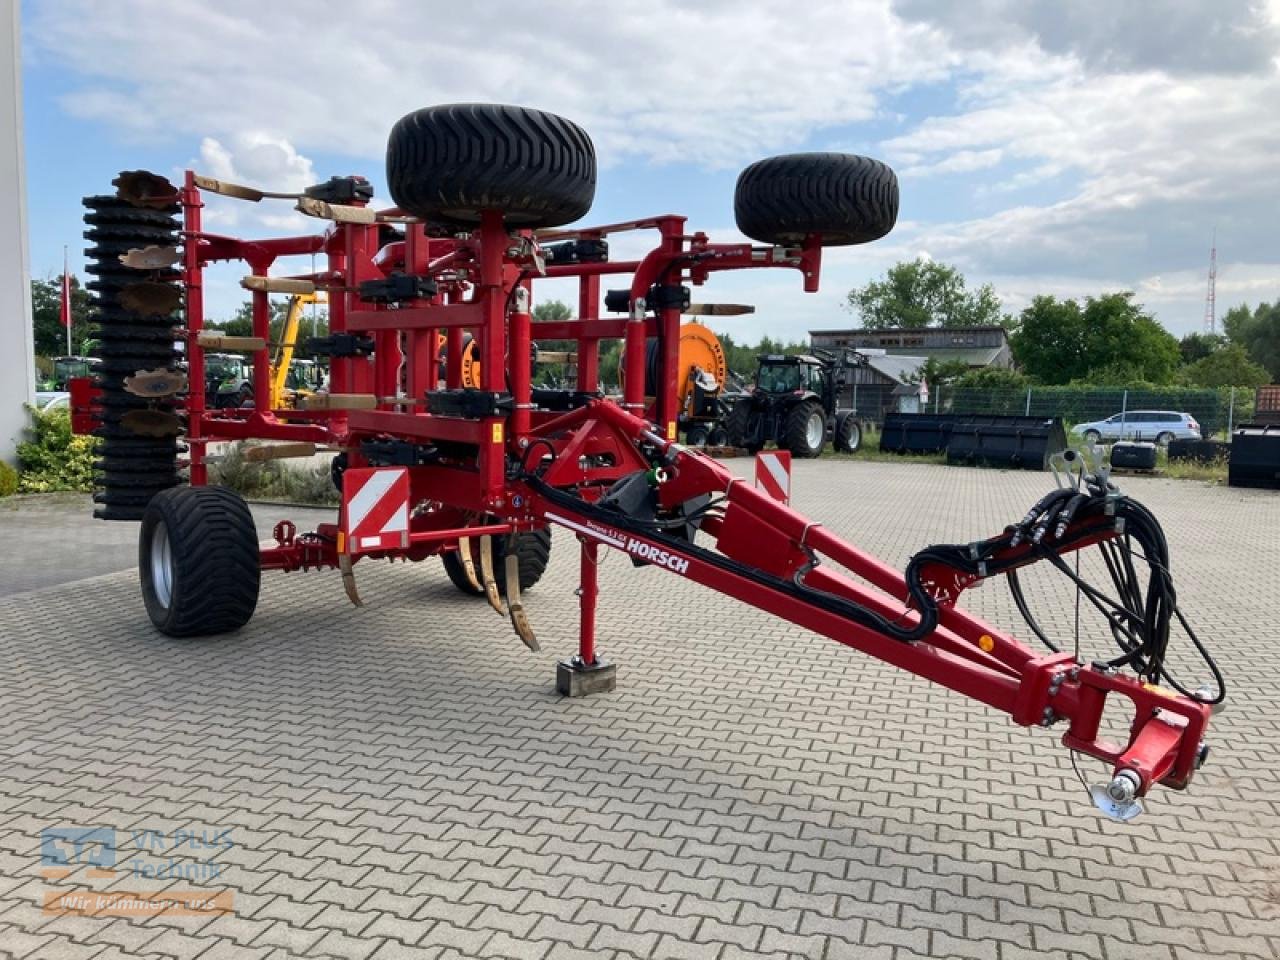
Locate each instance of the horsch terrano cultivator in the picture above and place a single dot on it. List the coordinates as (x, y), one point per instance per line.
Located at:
(444, 448)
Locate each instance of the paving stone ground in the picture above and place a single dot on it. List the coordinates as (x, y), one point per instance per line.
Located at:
(402, 781)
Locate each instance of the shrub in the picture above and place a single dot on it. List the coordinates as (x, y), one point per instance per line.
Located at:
(53, 458)
(272, 479)
(8, 480)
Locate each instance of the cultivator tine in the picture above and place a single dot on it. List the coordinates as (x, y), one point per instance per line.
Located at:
(349, 580)
(486, 574)
(717, 309)
(519, 619)
(252, 194)
(143, 188)
(337, 212)
(151, 258)
(278, 284)
(468, 565)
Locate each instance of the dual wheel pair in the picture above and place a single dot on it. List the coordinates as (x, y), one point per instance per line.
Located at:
(804, 431)
(200, 571)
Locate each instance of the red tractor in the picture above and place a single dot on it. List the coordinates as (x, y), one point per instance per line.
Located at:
(480, 471)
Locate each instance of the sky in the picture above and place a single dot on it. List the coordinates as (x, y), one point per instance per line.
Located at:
(1055, 148)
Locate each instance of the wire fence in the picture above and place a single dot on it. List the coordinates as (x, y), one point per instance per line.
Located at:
(1217, 411)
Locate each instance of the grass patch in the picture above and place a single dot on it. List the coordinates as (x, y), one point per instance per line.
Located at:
(1212, 472)
(870, 451)
(1215, 471)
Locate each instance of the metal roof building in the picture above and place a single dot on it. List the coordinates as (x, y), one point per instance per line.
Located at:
(976, 346)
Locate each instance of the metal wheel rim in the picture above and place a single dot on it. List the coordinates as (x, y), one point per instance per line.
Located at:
(855, 436)
(814, 430)
(161, 565)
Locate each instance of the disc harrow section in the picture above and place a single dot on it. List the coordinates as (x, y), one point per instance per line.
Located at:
(139, 372)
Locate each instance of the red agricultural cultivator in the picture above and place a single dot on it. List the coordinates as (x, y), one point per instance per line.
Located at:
(444, 447)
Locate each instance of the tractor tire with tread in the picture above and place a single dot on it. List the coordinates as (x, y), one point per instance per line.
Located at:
(846, 199)
(806, 432)
(449, 163)
(198, 560)
(848, 438)
(737, 427)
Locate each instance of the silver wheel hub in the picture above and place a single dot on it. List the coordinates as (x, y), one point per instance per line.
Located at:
(814, 431)
(161, 553)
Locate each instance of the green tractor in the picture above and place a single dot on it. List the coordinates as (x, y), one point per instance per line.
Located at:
(793, 404)
(66, 369)
(227, 381)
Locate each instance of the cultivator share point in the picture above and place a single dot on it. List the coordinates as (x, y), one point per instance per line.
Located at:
(444, 447)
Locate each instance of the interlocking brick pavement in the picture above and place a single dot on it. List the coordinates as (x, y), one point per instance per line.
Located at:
(402, 781)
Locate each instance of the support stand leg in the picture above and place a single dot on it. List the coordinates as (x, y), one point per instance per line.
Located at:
(586, 673)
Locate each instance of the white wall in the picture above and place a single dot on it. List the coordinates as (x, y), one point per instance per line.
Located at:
(17, 376)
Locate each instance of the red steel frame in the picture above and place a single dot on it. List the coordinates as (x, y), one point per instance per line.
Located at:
(483, 280)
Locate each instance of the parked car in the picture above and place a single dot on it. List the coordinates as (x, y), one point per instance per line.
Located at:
(49, 400)
(1158, 425)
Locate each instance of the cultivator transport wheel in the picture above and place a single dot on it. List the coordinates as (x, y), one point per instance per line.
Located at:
(848, 438)
(533, 552)
(448, 164)
(198, 558)
(806, 433)
(845, 199)
(134, 334)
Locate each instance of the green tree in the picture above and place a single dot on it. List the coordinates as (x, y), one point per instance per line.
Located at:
(1197, 346)
(923, 293)
(550, 311)
(1108, 339)
(993, 378)
(1227, 366)
(1258, 332)
(1049, 344)
(49, 334)
(937, 372)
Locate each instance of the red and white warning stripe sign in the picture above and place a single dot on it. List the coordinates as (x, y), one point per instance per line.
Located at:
(773, 474)
(375, 509)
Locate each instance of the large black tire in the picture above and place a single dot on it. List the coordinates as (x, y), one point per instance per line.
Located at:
(806, 432)
(737, 427)
(696, 435)
(198, 558)
(448, 164)
(533, 551)
(848, 438)
(844, 198)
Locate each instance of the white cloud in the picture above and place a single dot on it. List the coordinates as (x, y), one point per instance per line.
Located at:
(255, 160)
(713, 83)
(962, 161)
(1116, 137)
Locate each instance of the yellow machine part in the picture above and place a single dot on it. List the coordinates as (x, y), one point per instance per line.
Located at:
(471, 365)
(699, 349)
(288, 340)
